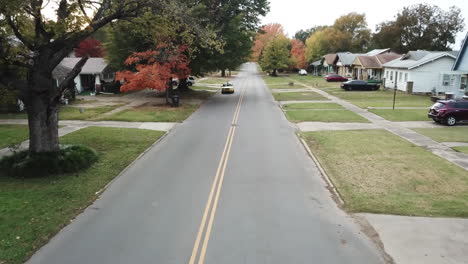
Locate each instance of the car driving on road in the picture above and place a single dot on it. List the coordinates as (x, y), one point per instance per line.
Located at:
(359, 85)
(227, 88)
(449, 112)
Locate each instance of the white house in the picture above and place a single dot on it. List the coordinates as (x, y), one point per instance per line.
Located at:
(92, 75)
(460, 67)
(426, 70)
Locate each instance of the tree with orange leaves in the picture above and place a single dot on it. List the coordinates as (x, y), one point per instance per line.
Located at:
(154, 69)
(266, 34)
(298, 54)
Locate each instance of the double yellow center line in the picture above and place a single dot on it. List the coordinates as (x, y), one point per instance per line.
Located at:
(212, 203)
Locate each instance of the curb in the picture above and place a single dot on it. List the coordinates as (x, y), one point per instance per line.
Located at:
(329, 182)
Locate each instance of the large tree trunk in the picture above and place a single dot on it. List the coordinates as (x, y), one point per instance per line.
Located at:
(274, 73)
(223, 73)
(43, 125)
(183, 87)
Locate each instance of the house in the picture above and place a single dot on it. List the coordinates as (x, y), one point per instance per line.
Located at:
(92, 75)
(329, 63)
(315, 67)
(367, 66)
(344, 63)
(421, 71)
(460, 69)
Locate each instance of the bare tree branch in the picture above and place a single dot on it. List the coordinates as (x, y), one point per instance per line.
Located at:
(70, 77)
(18, 34)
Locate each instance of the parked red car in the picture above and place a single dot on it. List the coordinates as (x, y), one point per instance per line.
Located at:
(335, 78)
(449, 111)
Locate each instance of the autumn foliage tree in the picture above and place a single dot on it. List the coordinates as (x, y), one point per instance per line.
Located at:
(90, 47)
(266, 34)
(154, 69)
(298, 58)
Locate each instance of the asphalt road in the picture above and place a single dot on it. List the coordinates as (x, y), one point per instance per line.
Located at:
(232, 184)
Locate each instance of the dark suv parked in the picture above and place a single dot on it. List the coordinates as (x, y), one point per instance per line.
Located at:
(449, 111)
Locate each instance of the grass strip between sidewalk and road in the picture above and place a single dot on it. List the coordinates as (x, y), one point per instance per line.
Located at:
(324, 116)
(461, 149)
(13, 134)
(291, 96)
(402, 114)
(312, 106)
(445, 134)
(154, 113)
(376, 171)
(33, 210)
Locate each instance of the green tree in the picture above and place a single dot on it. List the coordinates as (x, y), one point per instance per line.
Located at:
(354, 25)
(44, 44)
(276, 55)
(303, 35)
(329, 40)
(420, 26)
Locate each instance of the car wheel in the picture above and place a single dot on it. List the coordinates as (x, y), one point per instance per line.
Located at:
(189, 84)
(174, 83)
(451, 121)
(350, 88)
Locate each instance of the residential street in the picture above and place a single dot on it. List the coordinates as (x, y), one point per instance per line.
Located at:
(232, 184)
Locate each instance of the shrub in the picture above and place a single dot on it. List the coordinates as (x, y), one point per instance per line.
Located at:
(27, 165)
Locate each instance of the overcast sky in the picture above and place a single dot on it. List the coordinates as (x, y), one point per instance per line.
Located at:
(302, 14)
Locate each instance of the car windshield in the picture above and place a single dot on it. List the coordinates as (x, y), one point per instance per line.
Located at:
(438, 105)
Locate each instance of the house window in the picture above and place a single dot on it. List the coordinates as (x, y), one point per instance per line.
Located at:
(446, 80)
(386, 74)
(401, 76)
(406, 77)
(391, 76)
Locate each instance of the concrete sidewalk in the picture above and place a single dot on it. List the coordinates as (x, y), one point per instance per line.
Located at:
(396, 128)
(422, 240)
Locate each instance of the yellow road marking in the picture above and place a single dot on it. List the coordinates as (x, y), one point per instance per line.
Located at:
(217, 183)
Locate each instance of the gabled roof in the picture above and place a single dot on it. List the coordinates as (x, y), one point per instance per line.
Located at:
(330, 58)
(346, 58)
(369, 62)
(462, 56)
(386, 57)
(316, 63)
(92, 66)
(376, 52)
(414, 59)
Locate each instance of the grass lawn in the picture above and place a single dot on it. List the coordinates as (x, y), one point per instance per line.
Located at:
(286, 86)
(312, 106)
(276, 80)
(315, 81)
(12, 134)
(13, 116)
(446, 134)
(289, 96)
(324, 116)
(378, 172)
(381, 98)
(201, 87)
(73, 113)
(213, 80)
(461, 149)
(154, 113)
(34, 210)
(402, 114)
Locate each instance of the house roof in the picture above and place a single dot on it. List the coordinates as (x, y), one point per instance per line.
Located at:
(414, 59)
(386, 57)
(376, 52)
(461, 55)
(92, 66)
(346, 58)
(316, 63)
(330, 58)
(369, 62)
